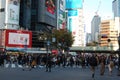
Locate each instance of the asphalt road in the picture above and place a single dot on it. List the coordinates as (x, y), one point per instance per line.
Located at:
(58, 73)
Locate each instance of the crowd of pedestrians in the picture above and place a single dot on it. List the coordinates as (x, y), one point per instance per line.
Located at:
(49, 61)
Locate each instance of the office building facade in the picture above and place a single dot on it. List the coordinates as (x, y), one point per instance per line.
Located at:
(75, 22)
(109, 33)
(9, 14)
(95, 28)
(116, 12)
(116, 8)
(42, 14)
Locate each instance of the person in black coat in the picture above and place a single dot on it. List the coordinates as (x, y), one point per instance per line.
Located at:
(48, 63)
(93, 64)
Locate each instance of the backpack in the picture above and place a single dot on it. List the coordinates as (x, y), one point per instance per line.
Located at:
(93, 61)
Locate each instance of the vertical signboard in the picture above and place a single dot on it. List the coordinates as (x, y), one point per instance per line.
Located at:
(12, 11)
(72, 4)
(61, 14)
(73, 21)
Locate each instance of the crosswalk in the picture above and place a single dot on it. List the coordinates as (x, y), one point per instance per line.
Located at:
(13, 66)
(20, 66)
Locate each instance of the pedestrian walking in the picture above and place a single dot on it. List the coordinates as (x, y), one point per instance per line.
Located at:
(48, 63)
(93, 64)
(102, 64)
(110, 64)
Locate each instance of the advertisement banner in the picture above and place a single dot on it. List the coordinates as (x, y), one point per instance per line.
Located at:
(12, 11)
(72, 20)
(50, 6)
(18, 38)
(73, 4)
(73, 25)
(73, 13)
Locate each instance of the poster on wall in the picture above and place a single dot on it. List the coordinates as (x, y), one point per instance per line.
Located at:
(12, 11)
(50, 6)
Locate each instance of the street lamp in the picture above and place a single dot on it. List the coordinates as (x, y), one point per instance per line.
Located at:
(25, 44)
(47, 43)
(119, 55)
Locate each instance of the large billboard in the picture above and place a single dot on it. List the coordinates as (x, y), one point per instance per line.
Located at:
(50, 6)
(73, 21)
(73, 4)
(12, 11)
(47, 12)
(18, 38)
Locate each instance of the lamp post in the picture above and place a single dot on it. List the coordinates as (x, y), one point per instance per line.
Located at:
(25, 44)
(119, 55)
(48, 43)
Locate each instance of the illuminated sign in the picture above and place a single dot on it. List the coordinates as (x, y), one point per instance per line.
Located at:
(71, 4)
(50, 6)
(72, 13)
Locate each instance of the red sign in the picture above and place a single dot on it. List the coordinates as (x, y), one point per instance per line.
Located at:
(54, 51)
(50, 5)
(18, 38)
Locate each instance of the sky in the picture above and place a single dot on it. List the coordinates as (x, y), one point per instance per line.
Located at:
(91, 6)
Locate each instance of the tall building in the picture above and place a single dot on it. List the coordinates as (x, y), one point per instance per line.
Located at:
(25, 14)
(109, 32)
(95, 27)
(9, 14)
(35, 15)
(116, 8)
(88, 37)
(38, 16)
(41, 14)
(75, 21)
(116, 12)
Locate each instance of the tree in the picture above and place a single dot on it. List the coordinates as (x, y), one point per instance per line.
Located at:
(92, 43)
(64, 39)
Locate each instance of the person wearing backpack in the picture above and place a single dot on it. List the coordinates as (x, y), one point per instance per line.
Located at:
(110, 64)
(93, 64)
(102, 64)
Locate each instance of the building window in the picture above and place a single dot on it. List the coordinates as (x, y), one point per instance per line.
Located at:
(2, 9)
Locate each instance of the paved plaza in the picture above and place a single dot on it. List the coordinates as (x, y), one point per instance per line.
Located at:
(58, 73)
